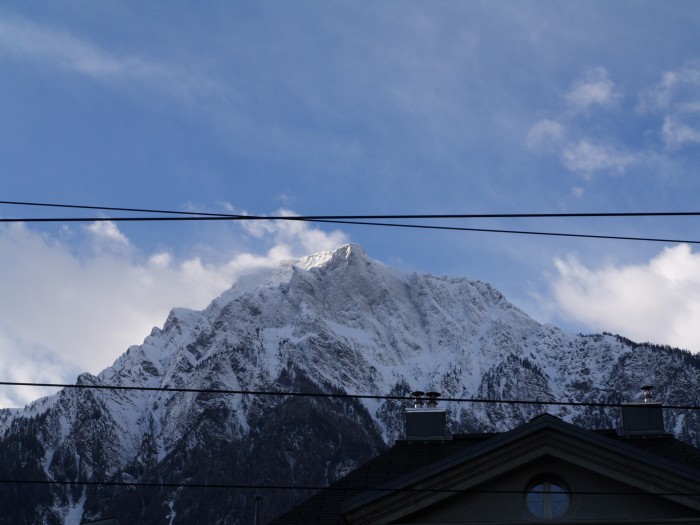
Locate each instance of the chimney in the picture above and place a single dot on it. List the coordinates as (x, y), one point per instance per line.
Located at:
(425, 420)
(643, 418)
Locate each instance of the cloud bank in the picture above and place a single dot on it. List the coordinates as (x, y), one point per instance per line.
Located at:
(66, 311)
(657, 302)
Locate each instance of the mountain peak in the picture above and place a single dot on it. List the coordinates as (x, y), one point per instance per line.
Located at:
(342, 254)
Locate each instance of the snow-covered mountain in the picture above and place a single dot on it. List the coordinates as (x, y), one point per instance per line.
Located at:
(332, 322)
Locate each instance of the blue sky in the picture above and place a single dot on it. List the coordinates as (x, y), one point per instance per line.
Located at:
(342, 108)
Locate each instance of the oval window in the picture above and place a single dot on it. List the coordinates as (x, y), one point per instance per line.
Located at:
(547, 499)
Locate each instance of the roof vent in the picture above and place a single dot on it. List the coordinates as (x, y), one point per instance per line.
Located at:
(640, 419)
(426, 422)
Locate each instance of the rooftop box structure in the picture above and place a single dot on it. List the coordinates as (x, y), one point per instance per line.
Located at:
(426, 420)
(642, 418)
(426, 423)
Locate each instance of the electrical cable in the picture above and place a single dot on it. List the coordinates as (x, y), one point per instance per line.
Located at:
(518, 232)
(335, 488)
(367, 217)
(109, 208)
(348, 222)
(359, 220)
(331, 395)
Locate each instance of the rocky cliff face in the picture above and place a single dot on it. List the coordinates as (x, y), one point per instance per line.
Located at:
(332, 322)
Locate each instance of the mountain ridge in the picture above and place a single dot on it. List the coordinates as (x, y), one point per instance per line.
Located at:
(335, 321)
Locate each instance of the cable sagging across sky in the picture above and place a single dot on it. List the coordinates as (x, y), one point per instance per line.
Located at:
(278, 393)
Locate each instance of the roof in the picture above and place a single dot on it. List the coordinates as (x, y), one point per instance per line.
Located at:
(665, 446)
(401, 459)
(408, 462)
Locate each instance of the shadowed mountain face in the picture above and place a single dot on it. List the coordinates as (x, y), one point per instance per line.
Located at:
(334, 322)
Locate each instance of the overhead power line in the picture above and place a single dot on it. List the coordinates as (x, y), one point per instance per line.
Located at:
(365, 217)
(280, 393)
(108, 208)
(363, 220)
(335, 488)
(359, 223)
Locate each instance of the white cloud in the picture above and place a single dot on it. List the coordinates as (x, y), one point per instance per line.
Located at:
(566, 136)
(675, 132)
(658, 301)
(22, 38)
(545, 132)
(64, 312)
(675, 87)
(25, 40)
(587, 157)
(595, 88)
(295, 232)
(677, 98)
(108, 231)
(578, 192)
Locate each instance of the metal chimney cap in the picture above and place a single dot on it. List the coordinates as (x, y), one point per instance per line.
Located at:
(432, 398)
(648, 396)
(418, 399)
